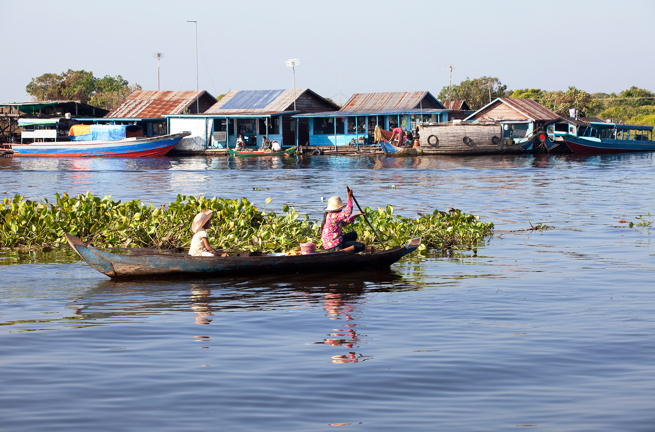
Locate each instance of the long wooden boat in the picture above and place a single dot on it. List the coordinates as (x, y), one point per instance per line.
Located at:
(608, 138)
(254, 153)
(154, 264)
(101, 145)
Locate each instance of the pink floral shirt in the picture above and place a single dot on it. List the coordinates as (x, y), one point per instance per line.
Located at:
(334, 223)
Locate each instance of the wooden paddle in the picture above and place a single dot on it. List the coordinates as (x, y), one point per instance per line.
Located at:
(363, 214)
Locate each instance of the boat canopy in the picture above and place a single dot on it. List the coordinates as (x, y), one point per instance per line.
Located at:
(101, 132)
(37, 122)
(620, 126)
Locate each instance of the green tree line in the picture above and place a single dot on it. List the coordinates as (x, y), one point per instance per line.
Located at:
(632, 106)
(106, 92)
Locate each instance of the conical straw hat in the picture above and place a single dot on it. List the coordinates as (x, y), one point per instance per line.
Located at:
(200, 220)
(334, 204)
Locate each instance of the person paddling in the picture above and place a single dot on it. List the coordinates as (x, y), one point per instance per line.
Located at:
(199, 243)
(336, 216)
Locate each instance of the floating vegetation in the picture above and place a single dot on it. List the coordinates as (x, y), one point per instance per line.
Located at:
(643, 223)
(537, 227)
(236, 225)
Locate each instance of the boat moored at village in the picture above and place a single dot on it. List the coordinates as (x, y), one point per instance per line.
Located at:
(464, 138)
(92, 141)
(597, 138)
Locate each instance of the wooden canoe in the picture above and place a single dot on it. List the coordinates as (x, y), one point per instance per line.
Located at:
(152, 264)
(290, 151)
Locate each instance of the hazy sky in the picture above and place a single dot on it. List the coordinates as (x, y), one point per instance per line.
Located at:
(366, 45)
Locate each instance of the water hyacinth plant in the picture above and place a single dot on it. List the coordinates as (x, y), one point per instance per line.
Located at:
(236, 225)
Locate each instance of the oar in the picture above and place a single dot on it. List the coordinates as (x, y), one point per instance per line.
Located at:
(366, 219)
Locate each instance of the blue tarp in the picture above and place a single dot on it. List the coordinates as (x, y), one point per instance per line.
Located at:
(98, 132)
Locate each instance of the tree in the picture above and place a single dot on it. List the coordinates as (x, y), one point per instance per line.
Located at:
(81, 85)
(561, 102)
(477, 92)
(536, 94)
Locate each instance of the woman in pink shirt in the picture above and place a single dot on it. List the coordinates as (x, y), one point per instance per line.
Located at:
(338, 215)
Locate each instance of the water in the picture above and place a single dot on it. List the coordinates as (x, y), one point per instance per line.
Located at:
(551, 330)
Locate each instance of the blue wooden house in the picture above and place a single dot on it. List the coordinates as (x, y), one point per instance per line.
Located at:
(253, 114)
(355, 122)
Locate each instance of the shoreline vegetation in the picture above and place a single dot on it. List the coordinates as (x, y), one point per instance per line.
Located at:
(237, 225)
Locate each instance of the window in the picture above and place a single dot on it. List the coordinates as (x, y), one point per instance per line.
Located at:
(273, 126)
(393, 122)
(340, 124)
(361, 125)
(325, 126)
(220, 125)
(351, 124)
(247, 126)
(515, 130)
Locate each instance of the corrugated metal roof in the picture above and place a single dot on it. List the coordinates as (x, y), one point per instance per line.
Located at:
(390, 101)
(255, 101)
(530, 108)
(342, 113)
(456, 105)
(153, 104)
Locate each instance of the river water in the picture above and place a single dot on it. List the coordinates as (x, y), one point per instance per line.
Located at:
(549, 330)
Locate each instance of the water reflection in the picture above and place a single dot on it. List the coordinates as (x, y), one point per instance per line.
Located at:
(200, 303)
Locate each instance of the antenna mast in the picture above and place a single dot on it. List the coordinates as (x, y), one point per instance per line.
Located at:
(450, 83)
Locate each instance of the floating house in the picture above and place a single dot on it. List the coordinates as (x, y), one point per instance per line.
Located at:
(253, 114)
(148, 108)
(524, 121)
(355, 122)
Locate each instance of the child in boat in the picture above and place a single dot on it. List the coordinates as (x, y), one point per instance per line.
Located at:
(337, 215)
(199, 243)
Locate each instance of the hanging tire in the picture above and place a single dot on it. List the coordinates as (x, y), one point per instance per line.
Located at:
(315, 152)
(495, 140)
(467, 141)
(433, 140)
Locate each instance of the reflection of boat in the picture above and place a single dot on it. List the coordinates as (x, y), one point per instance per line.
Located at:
(391, 150)
(608, 138)
(154, 264)
(254, 153)
(97, 140)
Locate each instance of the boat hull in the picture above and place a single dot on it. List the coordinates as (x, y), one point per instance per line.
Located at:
(577, 145)
(131, 147)
(290, 151)
(157, 265)
(391, 150)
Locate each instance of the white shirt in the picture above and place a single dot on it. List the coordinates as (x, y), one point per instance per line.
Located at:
(197, 245)
(276, 146)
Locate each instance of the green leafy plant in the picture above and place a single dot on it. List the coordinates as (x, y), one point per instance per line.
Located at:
(643, 223)
(237, 225)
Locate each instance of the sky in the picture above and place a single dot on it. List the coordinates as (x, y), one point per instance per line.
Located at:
(344, 47)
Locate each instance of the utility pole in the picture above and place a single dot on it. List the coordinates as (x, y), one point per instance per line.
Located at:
(292, 63)
(197, 90)
(159, 57)
(450, 83)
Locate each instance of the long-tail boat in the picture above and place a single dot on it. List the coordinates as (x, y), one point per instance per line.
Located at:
(93, 141)
(258, 153)
(156, 264)
(608, 138)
